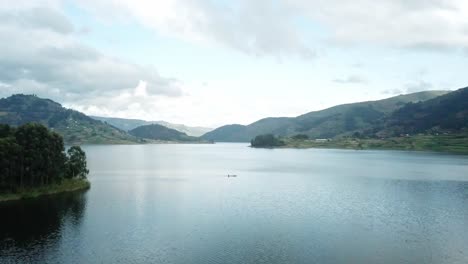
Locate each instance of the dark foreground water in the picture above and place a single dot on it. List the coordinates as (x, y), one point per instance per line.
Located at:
(173, 204)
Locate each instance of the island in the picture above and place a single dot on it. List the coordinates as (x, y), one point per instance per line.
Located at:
(33, 162)
(267, 141)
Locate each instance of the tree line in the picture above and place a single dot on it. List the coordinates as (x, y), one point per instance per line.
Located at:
(33, 156)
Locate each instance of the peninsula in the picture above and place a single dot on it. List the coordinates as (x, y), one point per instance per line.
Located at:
(33, 162)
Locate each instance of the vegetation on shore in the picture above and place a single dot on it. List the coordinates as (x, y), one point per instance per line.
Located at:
(33, 162)
(66, 185)
(452, 143)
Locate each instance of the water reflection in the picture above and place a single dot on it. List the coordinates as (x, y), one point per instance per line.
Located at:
(29, 229)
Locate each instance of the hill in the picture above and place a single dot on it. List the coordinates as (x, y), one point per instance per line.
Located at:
(73, 126)
(228, 133)
(437, 124)
(241, 133)
(343, 120)
(129, 124)
(444, 114)
(159, 132)
(336, 121)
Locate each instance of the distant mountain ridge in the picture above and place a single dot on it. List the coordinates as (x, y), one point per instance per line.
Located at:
(129, 124)
(339, 120)
(424, 112)
(75, 127)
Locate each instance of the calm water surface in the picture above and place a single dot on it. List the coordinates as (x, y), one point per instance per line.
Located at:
(174, 204)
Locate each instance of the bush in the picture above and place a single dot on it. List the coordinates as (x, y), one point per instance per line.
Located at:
(300, 137)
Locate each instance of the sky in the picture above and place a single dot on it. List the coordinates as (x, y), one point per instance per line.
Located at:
(216, 62)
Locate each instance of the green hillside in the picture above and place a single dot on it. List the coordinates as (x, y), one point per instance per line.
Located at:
(336, 121)
(444, 114)
(75, 127)
(346, 119)
(228, 133)
(437, 124)
(159, 132)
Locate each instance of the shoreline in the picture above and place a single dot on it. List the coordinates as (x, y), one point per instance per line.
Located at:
(154, 142)
(453, 144)
(68, 185)
(373, 149)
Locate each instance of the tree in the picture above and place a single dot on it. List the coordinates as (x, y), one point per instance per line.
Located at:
(267, 140)
(5, 131)
(357, 134)
(9, 152)
(34, 140)
(76, 164)
(56, 158)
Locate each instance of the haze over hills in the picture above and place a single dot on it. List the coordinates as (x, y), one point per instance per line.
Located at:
(129, 124)
(159, 132)
(339, 120)
(75, 127)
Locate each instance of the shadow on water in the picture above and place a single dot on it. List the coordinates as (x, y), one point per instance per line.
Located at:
(32, 227)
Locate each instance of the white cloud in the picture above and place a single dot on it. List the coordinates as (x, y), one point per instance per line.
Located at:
(352, 79)
(263, 27)
(418, 87)
(40, 54)
(260, 27)
(394, 91)
(399, 23)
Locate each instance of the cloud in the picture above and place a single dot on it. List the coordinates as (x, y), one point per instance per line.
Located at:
(418, 87)
(40, 54)
(412, 87)
(257, 28)
(393, 91)
(38, 18)
(398, 23)
(353, 79)
(280, 28)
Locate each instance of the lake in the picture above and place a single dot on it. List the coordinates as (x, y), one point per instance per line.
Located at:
(174, 204)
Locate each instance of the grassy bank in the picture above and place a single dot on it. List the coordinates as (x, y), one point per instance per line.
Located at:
(455, 143)
(68, 185)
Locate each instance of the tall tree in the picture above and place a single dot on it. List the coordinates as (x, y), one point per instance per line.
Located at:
(76, 164)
